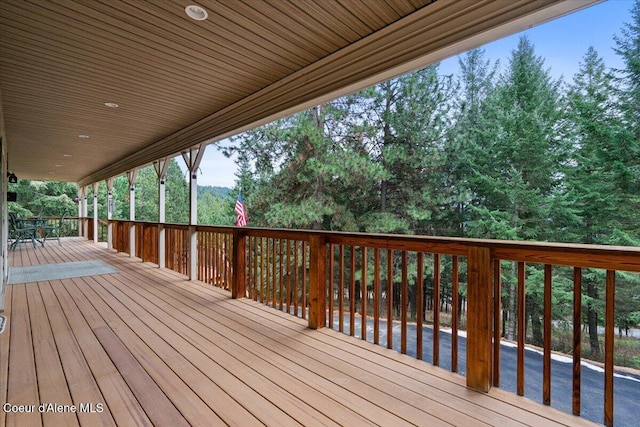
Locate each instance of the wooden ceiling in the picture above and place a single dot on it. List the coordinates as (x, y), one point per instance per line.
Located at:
(180, 82)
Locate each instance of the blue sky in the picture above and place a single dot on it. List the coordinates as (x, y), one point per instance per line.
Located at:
(562, 44)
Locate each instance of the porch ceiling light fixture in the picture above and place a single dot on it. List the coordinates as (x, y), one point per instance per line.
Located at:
(83, 136)
(12, 178)
(196, 12)
(111, 104)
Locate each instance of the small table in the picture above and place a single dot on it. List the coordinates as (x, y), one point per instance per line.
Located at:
(34, 225)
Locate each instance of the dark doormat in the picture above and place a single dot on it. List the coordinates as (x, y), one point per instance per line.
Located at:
(63, 270)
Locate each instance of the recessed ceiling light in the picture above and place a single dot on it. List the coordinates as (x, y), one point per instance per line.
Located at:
(67, 155)
(83, 136)
(196, 12)
(58, 166)
(111, 104)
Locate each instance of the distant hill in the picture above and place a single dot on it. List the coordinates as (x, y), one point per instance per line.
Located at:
(217, 192)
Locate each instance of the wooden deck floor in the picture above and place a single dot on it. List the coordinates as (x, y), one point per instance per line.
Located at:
(147, 347)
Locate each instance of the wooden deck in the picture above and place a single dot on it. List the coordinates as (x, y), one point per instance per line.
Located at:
(147, 347)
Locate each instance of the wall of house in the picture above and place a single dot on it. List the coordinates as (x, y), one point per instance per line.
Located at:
(4, 228)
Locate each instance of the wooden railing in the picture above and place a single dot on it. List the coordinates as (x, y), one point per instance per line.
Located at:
(215, 256)
(277, 267)
(69, 225)
(392, 282)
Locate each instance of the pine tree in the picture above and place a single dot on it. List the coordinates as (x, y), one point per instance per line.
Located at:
(590, 182)
(477, 82)
(517, 171)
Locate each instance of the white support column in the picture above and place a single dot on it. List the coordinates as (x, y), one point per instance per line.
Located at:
(161, 167)
(95, 212)
(131, 175)
(192, 158)
(110, 209)
(85, 213)
(80, 189)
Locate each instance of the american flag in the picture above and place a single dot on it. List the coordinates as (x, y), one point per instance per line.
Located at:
(242, 213)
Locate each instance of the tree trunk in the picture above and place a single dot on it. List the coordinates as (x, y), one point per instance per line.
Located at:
(511, 320)
(592, 319)
(533, 308)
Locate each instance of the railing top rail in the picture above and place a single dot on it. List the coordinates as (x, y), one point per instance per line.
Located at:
(624, 258)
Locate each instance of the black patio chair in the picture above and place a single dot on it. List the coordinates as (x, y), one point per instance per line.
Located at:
(18, 232)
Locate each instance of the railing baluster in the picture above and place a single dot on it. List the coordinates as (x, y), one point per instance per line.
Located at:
(330, 291)
(608, 346)
(280, 299)
(419, 309)
(352, 291)
(249, 267)
(455, 315)
(239, 281)
(546, 365)
(341, 290)
(521, 327)
(363, 288)
(274, 277)
(304, 279)
(403, 301)
(389, 298)
(436, 309)
(376, 296)
(317, 281)
(296, 278)
(288, 276)
(577, 338)
(497, 311)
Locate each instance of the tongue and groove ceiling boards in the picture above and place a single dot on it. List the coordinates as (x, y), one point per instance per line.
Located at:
(179, 82)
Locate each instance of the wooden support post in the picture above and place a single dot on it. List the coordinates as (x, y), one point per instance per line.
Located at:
(161, 167)
(239, 281)
(193, 253)
(110, 209)
(317, 281)
(479, 318)
(131, 175)
(192, 158)
(81, 191)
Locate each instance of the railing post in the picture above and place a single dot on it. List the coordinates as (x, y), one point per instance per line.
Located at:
(239, 281)
(193, 253)
(479, 318)
(161, 245)
(317, 281)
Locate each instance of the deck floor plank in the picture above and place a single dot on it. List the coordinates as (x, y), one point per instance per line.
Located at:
(156, 403)
(158, 349)
(22, 380)
(52, 383)
(119, 398)
(82, 384)
(5, 339)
